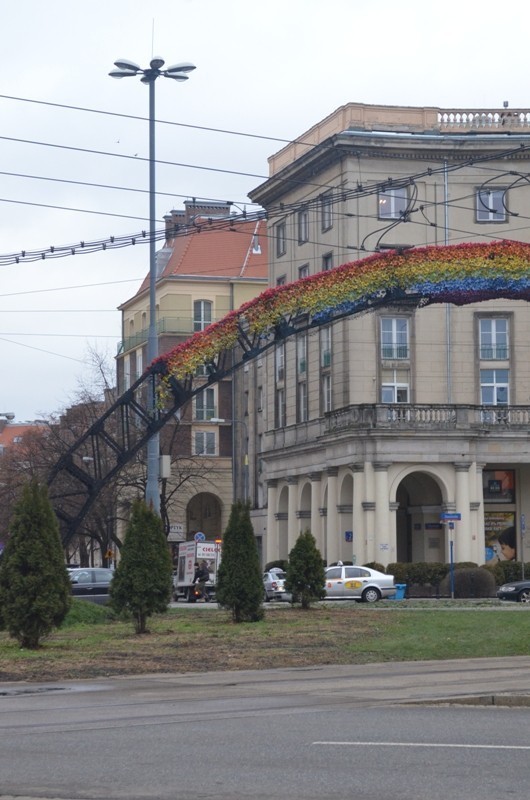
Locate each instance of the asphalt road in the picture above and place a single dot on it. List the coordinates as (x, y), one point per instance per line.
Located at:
(388, 730)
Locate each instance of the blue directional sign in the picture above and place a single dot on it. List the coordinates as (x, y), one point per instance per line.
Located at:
(447, 515)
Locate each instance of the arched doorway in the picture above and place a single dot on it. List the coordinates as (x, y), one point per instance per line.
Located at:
(419, 533)
(203, 513)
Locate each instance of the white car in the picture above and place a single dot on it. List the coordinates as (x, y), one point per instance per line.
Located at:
(357, 583)
(274, 585)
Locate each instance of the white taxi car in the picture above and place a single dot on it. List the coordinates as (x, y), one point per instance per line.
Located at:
(357, 583)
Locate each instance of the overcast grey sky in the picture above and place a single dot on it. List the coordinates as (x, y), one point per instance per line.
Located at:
(270, 68)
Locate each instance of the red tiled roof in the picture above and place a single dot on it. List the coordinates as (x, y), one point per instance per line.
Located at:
(223, 253)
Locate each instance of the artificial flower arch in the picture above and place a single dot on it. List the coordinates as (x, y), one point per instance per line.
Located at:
(457, 274)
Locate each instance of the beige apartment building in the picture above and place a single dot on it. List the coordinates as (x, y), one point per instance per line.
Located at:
(206, 268)
(369, 432)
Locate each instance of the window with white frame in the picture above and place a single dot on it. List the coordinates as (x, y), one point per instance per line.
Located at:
(205, 404)
(279, 362)
(204, 443)
(281, 238)
(303, 271)
(327, 261)
(494, 387)
(126, 372)
(392, 203)
(394, 337)
(326, 393)
(303, 225)
(280, 408)
(301, 402)
(326, 210)
(301, 354)
(394, 386)
(325, 347)
(491, 205)
(139, 362)
(493, 338)
(202, 314)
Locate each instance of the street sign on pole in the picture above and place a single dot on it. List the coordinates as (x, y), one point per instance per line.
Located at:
(445, 516)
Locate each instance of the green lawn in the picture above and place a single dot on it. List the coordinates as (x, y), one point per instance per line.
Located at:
(92, 644)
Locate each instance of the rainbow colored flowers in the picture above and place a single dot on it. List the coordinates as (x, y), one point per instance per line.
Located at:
(459, 274)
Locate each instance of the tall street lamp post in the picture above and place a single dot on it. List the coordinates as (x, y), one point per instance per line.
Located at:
(128, 69)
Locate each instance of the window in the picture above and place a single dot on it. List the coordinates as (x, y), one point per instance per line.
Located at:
(204, 443)
(493, 338)
(326, 393)
(394, 386)
(494, 387)
(281, 239)
(301, 406)
(303, 272)
(394, 337)
(280, 408)
(303, 226)
(392, 203)
(260, 398)
(281, 281)
(279, 362)
(327, 261)
(326, 210)
(126, 372)
(325, 347)
(139, 363)
(491, 205)
(202, 314)
(301, 354)
(205, 405)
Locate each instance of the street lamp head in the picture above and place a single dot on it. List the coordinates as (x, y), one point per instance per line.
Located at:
(156, 62)
(185, 66)
(128, 66)
(8, 415)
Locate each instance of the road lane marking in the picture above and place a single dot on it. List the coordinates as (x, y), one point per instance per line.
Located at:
(426, 744)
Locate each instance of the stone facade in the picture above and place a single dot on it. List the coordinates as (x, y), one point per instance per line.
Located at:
(367, 432)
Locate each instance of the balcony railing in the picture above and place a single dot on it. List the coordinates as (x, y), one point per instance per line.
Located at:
(178, 326)
(494, 352)
(394, 351)
(425, 417)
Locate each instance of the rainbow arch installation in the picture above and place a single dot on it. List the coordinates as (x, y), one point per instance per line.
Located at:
(457, 274)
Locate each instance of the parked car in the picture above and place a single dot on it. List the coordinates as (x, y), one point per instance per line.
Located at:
(91, 583)
(274, 585)
(516, 590)
(357, 583)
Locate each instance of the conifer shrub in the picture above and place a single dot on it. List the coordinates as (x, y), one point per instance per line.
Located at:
(239, 577)
(142, 583)
(305, 575)
(35, 589)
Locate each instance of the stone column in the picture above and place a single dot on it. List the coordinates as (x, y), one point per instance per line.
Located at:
(480, 543)
(382, 513)
(293, 525)
(273, 546)
(462, 533)
(316, 520)
(332, 531)
(358, 515)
